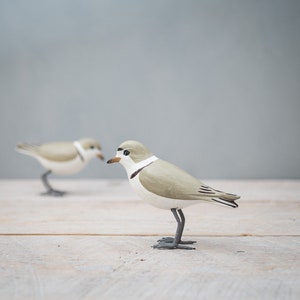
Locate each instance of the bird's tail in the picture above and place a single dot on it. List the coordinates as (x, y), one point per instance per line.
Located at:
(227, 199)
(26, 148)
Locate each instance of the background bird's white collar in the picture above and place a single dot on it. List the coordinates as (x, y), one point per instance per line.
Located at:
(79, 149)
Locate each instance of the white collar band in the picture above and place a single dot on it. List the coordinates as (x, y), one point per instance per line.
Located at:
(79, 150)
(142, 164)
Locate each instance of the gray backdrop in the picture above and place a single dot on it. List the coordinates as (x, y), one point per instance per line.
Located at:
(212, 86)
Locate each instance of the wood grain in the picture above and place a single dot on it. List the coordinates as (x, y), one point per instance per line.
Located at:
(126, 267)
(96, 244)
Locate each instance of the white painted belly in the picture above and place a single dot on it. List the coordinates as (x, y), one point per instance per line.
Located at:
(63, 168)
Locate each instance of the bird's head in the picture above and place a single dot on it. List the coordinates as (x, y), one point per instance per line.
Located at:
(130, 153)
(91, 148)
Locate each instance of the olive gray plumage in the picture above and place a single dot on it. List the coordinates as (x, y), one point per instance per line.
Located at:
(62, 158)
(166, 186)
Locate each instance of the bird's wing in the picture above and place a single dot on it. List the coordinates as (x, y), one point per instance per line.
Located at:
(27, 148)
(167, 180)
(58, 151)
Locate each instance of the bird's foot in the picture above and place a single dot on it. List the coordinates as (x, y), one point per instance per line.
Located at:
(54, 193)
(171, 240)
(163, 245)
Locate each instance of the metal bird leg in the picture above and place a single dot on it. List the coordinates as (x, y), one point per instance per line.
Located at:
(171, 239)
(176, 242)
(50, 190)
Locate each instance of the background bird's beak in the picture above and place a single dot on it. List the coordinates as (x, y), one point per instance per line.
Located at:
(114, 160)
(100, 155)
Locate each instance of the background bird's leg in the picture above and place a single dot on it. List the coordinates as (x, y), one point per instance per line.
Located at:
(174, 242)
(50, 190)
(171, 239)
(45, 180)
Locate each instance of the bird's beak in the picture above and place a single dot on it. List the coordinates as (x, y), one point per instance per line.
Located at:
(100, 155)
(114, 160)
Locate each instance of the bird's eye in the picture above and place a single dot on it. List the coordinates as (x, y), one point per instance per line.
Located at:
(92, 147)
(126, 152)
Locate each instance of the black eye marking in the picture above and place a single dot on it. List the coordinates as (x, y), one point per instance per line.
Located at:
(120, 149)
(92, 147)
(126, 152)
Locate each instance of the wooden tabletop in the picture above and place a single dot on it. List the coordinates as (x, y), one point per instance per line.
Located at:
(95, 243)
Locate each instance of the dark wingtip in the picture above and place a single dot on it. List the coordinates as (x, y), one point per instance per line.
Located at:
(226, 202)
(236, 205)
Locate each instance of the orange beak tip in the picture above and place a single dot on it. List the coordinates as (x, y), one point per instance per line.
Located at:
(114, 160)
(100, 155)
